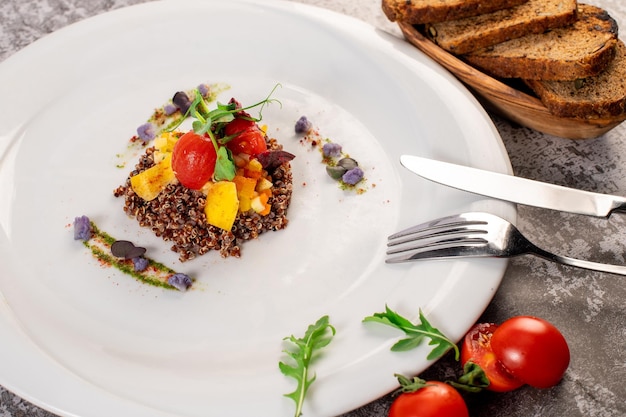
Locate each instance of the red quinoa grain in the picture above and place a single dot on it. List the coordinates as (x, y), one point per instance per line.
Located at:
(177, 214)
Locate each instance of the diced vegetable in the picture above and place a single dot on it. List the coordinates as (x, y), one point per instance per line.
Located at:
(222, 205)
(148, 184)
(245, 191)
(260, 203)
(165, 142)
(263, 184)
(254, 169)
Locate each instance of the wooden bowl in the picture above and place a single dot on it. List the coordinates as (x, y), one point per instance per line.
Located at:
(507, 101)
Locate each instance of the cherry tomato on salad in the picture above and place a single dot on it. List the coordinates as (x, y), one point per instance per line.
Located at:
(250, 138)
(532, 350)
(476, 348)
(238, 125)
(433, 399)
(193, 160)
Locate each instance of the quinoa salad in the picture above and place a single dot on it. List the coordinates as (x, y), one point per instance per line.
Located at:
(211, 188)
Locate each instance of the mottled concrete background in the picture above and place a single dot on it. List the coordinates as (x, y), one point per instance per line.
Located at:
(590, 308)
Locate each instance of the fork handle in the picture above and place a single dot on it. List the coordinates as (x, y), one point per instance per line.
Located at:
(579, 263)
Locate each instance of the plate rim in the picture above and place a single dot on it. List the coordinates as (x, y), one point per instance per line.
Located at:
(103, 18)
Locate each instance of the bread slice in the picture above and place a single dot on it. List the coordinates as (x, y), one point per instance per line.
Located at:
(581, 50)
(535, 16)
(429, 11)
(602, 96)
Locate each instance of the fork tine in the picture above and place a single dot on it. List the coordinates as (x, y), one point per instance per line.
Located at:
(436, 230)
(433, 226)
(444, 250)
(438, 234)
(448, 242)
(445, 237)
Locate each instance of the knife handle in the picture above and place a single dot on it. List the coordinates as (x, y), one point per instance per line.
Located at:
(619, 206)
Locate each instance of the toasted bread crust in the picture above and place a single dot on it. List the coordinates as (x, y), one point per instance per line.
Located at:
(423, 11)
(470, 34)
(602, 96)
(581, 50)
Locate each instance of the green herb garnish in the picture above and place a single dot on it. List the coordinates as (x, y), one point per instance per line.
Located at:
(317, 336)
(416, 333)
(210, 122)
(224, 165)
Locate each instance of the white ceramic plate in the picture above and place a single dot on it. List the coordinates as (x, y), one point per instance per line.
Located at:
(81, 339)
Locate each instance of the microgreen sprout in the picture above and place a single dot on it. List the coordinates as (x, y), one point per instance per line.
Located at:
(211, 121)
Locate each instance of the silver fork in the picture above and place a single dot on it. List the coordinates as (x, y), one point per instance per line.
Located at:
(474, 235)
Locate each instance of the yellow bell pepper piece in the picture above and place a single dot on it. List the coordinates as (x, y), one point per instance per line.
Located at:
(165, 142)
(148, 184)
(254, 169)
(222, 205)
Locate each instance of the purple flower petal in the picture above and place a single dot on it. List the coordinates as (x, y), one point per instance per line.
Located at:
(331, 150)
(303, 125)
(353, 176)
(146, 132)
(204, 90)
(169, 109)
(82, 228)
(180, 281)
(140, 263)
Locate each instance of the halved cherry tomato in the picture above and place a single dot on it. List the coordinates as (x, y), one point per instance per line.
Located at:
(532, 350)
(238, 125)
(249, 140)
(193, 160)
(434, 399)
(476, 348)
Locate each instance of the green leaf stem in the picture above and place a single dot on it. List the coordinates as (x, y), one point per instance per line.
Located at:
(317, 336)
(416, 333)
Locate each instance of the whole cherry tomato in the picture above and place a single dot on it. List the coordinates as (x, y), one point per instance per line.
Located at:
(193, 160)
(476, 348)
(532, 350)
(433, 399)
(250, 138)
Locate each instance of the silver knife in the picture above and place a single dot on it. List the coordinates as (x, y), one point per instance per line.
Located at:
(515, 189)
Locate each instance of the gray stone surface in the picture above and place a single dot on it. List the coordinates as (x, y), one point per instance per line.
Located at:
(590, 308)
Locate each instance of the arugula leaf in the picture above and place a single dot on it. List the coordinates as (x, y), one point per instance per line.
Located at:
(317, 336)
(224, 166)
(416, 333)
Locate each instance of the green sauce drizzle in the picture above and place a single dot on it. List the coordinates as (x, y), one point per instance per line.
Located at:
(155, 274)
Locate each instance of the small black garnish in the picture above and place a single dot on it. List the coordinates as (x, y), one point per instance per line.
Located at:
(127, 250)
(181, 99)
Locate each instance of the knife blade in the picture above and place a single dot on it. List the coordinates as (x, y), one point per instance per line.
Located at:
(515, 189)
